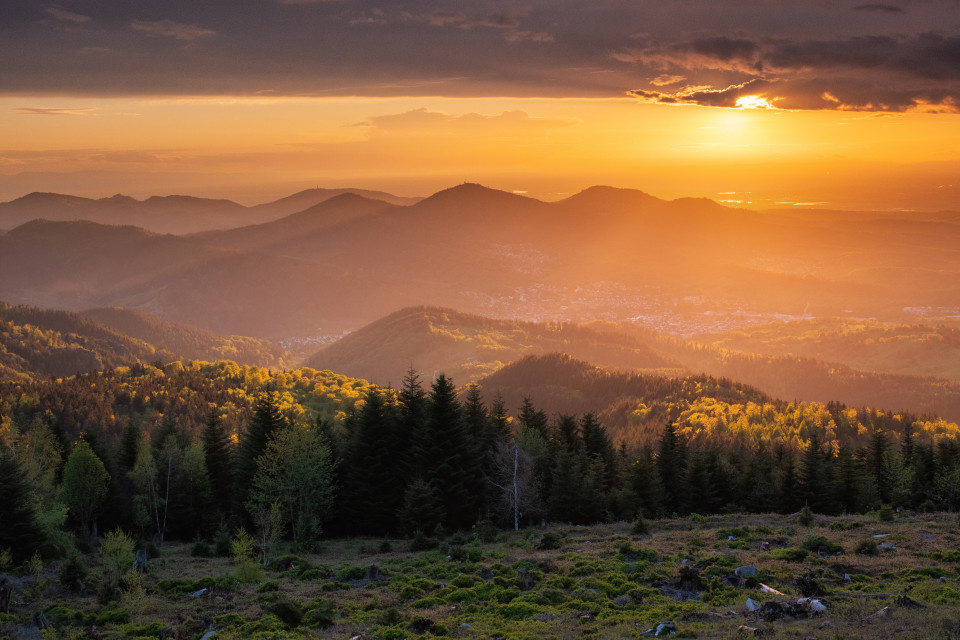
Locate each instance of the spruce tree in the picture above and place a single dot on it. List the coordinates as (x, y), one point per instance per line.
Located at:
(447, 455)
(267, 421)
(533, 418)
(373, 478)
(671, 466)
(218, 458)
(20, 532)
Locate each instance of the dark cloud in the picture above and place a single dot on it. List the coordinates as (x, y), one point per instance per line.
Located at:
(882, 8)
(726, 97)
(892, 73)
(53, 111)
(171, 29)
(67, 16)
(551, 48)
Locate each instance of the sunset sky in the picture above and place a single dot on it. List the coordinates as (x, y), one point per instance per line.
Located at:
(859, 102)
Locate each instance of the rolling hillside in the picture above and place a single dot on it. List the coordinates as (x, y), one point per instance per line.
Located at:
(169, 214)
(40, 342)
(190, 342)
(467, 347)
(687, 266)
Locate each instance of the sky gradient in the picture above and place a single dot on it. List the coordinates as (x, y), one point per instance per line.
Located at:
(254, 99)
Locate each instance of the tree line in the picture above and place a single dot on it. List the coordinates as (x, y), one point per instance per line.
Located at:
(419, 459)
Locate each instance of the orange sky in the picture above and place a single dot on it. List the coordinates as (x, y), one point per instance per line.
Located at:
(254, 149)
(255, 99)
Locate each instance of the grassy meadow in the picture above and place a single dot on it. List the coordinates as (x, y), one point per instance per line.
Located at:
(875, 577)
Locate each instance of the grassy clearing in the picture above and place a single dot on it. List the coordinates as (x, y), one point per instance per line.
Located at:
(596, 582)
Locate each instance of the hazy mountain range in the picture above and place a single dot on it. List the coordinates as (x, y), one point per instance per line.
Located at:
(603, 254)
(613, 277)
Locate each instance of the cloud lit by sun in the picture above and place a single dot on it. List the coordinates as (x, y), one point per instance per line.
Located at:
(753, 102)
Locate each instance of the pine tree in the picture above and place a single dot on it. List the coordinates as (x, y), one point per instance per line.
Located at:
(533, 418)
(20, 532)
(422, 508)
(267, 421)
(218, 458)
(671, 466)
(876, 451)
(373, 476)
(447, 456)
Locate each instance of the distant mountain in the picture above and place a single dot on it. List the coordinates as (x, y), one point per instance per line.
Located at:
(917, 349)
(560, 384)
(466, 347)
(189, 342)
(40, 342)
(686, 266)
(295, 234)
(303, 200)
(176, 214)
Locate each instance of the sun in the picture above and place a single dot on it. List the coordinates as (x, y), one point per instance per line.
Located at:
(753, 102)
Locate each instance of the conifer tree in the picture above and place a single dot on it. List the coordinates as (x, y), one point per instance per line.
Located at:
(422, 508)
(267, 421)
(373, 475)
(876, 451)
(218, 459)
(533, 418)
(671, 467)
(20, 532)
(446, 453)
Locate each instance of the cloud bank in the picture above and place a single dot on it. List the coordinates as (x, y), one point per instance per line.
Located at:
(887, 56)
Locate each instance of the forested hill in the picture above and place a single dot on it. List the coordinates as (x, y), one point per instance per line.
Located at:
(468, 346)
(46, 342)
(341, 455)
(41, 342)
(635, 408)
(191, 343)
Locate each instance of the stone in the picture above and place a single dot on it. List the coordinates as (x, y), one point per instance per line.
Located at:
(526, 582)
(751, 605)
(665, 628)
(746, 571)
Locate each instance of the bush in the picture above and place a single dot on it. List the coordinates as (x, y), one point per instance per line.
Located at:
(867, 547)
(385, 547)
(421, 542)
(639, 527)
(266, 587)
(805, 518)
(73, 568)
(820, 543)
(222, 545)
(200, 549)
(288, 611)
(886, 513)
(319, 614)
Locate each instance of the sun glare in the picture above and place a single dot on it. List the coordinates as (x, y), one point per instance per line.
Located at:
(753, 102)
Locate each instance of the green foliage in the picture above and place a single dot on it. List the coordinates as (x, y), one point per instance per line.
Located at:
(821, 544)
(21, 533)
(248, 569)
(791, 554)
(85, 483)
(118, 552)
(886, 513)
(805, 518)
(639, 526)
(867, 547)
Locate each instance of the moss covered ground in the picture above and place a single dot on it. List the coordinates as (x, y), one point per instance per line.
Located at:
(875, 578)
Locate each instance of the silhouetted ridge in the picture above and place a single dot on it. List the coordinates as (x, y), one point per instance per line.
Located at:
(602, 199)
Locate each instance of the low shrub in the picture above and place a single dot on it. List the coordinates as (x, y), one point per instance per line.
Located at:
(867, 547)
